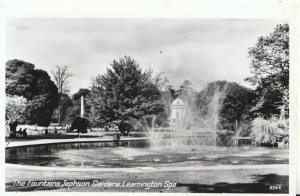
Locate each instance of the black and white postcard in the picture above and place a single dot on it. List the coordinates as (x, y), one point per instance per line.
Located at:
(147, 104)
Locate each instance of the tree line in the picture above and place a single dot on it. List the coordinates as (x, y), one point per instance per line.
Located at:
(126, 93)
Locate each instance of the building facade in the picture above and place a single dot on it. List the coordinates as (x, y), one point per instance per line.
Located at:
(177, 113)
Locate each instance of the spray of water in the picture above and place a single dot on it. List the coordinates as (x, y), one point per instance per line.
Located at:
(197, 131)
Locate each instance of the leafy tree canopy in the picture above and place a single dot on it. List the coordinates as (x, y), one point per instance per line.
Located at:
(125, 92)
(270, 71)
(270, 57)
(36, 87)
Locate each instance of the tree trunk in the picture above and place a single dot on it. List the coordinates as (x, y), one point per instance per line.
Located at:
(121, 127)
(59, 110)
(59, 115)
(13, 129)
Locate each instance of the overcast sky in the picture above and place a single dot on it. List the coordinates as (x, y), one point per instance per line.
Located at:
(200, 50)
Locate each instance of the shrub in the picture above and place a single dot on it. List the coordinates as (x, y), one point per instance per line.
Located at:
(270, 131)
(81, 124)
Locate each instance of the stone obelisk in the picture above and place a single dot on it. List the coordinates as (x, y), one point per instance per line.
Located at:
(82, 107)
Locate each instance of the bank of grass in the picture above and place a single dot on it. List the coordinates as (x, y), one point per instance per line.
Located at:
(211, 181)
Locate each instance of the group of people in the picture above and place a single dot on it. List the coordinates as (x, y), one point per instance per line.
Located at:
(55, 131)
(22, 133)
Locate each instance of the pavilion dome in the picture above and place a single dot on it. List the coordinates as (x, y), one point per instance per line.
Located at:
(177, 102)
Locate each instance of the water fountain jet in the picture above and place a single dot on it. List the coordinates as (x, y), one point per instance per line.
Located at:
(184, 136)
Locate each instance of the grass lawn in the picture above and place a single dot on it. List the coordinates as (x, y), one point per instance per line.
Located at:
(212, 181)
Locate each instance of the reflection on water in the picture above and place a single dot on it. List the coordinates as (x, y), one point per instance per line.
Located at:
(138, 153)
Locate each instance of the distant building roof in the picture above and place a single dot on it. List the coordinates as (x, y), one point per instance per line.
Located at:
(177, 102)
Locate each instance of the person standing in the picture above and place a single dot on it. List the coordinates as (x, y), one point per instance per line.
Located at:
(25, 133)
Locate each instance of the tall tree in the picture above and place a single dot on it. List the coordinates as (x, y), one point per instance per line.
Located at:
(161, 82)
(61, 78)
(124, 93)
(36, 87)
(270, 71)
(66, 103)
